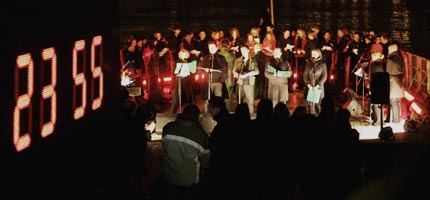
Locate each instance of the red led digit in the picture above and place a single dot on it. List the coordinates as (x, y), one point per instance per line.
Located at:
(79, 79)
(49, 92)
(22, 141)
(97, 71)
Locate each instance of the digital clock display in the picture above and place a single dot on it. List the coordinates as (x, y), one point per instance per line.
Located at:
(24, 74)
(59, 85)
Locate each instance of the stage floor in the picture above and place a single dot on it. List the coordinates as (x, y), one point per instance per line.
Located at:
(360, 122)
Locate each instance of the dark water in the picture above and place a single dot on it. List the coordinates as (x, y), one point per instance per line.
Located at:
(407, 21)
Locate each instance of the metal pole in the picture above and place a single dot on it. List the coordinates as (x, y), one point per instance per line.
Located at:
(382, 117)
(272, 19)
(210, 76)
(277, 89)
(180, 94)
(240, 95)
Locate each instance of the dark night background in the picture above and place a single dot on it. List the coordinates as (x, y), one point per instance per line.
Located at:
(75, 156)
(407, 21)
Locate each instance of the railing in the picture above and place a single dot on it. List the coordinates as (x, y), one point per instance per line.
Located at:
(416, 82)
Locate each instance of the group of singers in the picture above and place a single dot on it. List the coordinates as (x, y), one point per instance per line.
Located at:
(266, 66)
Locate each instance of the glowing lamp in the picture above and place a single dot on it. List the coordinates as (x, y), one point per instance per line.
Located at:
(417, 108)
(409, 96)
(167, 79)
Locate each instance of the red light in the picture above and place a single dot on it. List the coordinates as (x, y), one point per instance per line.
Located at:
(167, 79)
(144, 82)
(416, 108)
(49, 91)
(79, 79)
(159, 80)
(22, 141)
(295, 75)
(295, 86)
(409, 96)
(331, 77)
(96, 72)
(345, 90)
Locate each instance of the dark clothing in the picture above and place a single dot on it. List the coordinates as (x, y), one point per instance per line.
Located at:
(278, 85)
(189, 47)
(173, 44)
(218, 62)
(376, 108)
(342, 45)
(186, 147)
(396, 67)
(315, 74)
(185, 93)
(164, 61)
(287, 54)
(328, 54)
(261, 83)
(202, 46)
(221, 176)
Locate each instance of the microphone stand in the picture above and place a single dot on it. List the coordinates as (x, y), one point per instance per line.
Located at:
(276, 83)
(241, 86)
(355, 67)
(370, 93)
(180, 88)
(313, 90)
(212, 57)
(210, 77)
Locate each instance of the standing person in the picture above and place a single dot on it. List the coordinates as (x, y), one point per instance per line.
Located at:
(395, 67)
(244, 70)
(222, 174)
(189, 46)
(229, 81)
(328, 48)
(234, 41)
(216, 67)
(318, 34)
(300, 42)
(173, 42)
(186, 148)
(377, 65)
(183, 92)
(164, 68)
(201, 43)
(286, 43)
(342, 46)
(128, 55)
(278, 80)
(131, 146)
(262, 84)
(314, 76)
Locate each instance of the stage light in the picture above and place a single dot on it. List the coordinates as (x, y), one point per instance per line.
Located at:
(167, 79)
(409, 96)
(345, 90)
(417, 108)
